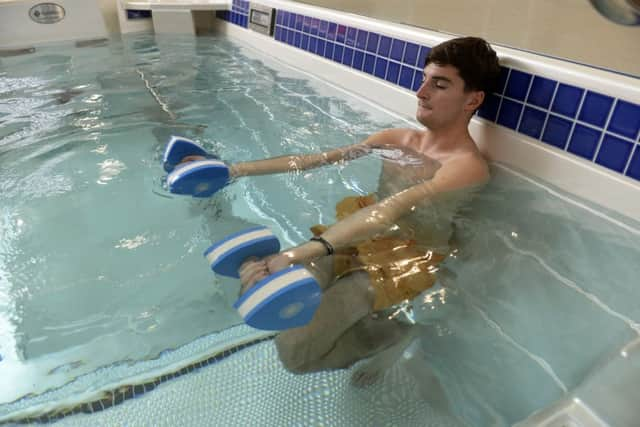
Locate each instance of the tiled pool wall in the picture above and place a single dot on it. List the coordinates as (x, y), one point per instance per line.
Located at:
(592, 125)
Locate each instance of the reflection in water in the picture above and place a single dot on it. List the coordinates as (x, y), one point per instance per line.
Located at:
(109, 169)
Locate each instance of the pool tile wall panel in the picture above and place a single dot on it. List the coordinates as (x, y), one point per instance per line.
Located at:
(591, 125)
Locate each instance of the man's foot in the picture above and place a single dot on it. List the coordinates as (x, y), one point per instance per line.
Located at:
(371, 371)
(374, 369)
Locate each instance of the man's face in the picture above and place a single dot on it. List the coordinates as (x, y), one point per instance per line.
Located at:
(442, 100)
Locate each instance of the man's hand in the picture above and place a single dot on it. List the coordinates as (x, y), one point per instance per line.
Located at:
(253, 270)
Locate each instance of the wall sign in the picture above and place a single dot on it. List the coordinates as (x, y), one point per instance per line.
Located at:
(261, 19)
(47, 13)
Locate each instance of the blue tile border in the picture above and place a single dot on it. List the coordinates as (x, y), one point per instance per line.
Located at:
(582, 122)
(238, 15)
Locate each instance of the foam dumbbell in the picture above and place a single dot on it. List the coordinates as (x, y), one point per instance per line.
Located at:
(199, 178)
(286, 299)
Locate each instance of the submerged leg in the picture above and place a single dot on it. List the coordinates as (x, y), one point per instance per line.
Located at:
(343, 304)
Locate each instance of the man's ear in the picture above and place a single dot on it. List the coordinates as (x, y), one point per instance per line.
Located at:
(474, 100)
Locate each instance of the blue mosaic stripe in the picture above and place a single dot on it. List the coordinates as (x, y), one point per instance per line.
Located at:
(581, 122)
(238, 15)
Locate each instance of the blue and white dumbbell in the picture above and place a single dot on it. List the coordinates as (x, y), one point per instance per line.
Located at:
(286, 299)
(200, 178)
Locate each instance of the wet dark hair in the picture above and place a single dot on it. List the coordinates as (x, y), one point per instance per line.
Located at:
(475, 59)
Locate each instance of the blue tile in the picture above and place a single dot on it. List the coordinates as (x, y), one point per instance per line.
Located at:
(292, 20)
(278, 33)
(625, 119)
(595, 109)
(509, 113)
(299, 20)
(518, 85)
(541, 92)
(557, 131)
(322, 29)
(297, 39)
(489, 108)
(358, 60)
(290, 35)
(584, 141)
(384, 47)
(328, 50)
(634, 166)
(381, 68)
(338, 51)
(397, 50)
(372, 43)
(502, 80)
(369, 63)
(347, 58)
(351, 37)
(411, 54)
(614, 153)
(567, 100)
(313, 44)
(393, 72)
(406, 77)
(361, 40)
(315, 24)
(331, 32)
(532, 122)
(341, 33)
(305, 41)
(422, 56)
(417, 79)
(321, 46)
(280, 16)
(306, 24)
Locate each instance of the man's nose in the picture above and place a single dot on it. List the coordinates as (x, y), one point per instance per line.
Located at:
(423, 91)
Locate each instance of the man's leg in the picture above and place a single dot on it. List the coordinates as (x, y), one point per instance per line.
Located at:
(343, 304)
(343, 329)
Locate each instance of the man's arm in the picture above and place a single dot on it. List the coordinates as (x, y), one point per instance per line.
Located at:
(309, 161)
(466, 171)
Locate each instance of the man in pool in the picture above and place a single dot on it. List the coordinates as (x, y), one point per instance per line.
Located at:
(384, 248)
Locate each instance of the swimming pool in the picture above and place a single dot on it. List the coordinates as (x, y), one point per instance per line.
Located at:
(102, 273)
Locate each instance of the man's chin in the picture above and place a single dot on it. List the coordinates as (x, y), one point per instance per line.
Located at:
(422, 118)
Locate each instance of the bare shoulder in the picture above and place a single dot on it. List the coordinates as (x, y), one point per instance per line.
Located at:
(469, 164)
(398, 137)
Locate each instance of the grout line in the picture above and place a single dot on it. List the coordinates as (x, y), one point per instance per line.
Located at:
(633, 151)
(575, 120)
(604, 129)
(524, 105)
(502, 96)
(548, 111)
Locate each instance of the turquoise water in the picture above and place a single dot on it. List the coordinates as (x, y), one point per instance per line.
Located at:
(100, 267)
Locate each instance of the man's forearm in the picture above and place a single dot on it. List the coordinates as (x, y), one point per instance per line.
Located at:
(300, 162)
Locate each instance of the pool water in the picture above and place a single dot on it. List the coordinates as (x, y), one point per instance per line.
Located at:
(101, 267)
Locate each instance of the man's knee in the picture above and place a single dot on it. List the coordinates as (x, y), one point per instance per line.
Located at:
(292, 354)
